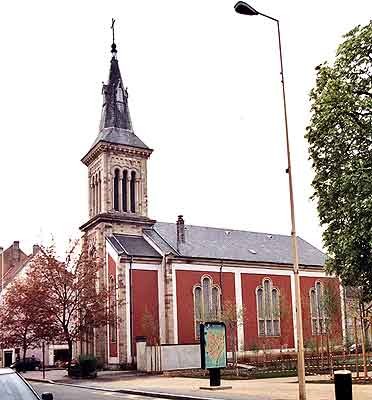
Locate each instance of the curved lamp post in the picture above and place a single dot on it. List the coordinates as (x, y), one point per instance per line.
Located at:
(243, 8)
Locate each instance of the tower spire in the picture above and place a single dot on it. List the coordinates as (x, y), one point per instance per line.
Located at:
(115, 111)
(116, 125)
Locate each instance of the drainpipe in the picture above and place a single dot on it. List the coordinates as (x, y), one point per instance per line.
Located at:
(221, 286)
(166, 291)
(131, 309)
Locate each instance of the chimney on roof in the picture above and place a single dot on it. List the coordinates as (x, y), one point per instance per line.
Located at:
(35, 249)
(16, 254)
(180, 230)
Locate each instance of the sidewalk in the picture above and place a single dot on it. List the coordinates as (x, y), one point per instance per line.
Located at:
(259, 389)
(60, 376)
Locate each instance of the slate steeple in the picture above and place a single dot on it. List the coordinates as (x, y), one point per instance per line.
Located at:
(116, 125)
(115, 110)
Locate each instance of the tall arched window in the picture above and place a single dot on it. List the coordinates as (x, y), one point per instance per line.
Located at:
(207, 305)
(317, 311)
(99, 192)
(93, 197)
(116, 190)
(133, 192)
(124, 191)
(112, 307)
(268, 309)
(96, 194)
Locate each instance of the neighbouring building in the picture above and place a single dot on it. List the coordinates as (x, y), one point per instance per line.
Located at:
(171, 276)
(11, 259)
(16, 265)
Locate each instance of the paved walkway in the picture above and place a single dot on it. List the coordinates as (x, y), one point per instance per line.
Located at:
(60, 375)
(260, 389)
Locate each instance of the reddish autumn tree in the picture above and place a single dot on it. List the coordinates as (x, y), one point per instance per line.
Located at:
(70, 295)
(22, 322)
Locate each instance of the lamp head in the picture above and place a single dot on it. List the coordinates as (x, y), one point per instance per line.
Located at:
(242, 7)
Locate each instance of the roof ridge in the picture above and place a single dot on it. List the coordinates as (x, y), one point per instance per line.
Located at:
(126, 235)
(229, 229)
(165, 241)
(117, 241)
(12, 272)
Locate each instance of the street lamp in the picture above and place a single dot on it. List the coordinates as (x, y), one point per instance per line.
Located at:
(245, 9)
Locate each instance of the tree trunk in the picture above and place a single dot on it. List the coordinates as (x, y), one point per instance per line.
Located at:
(24, 348)
(235, 344)
(321, 352)
(356, 347)
(330, 361)
(363, 337)
(69, 343)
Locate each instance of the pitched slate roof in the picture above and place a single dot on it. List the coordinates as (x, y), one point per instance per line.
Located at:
(224, 244)
(12, 273)
(132, 246)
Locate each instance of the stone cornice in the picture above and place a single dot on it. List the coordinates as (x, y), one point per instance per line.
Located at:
(241, 263)
(102, 146)
(117, 218)
(141, 259)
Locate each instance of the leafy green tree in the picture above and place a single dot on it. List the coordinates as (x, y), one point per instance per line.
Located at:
(340, 147)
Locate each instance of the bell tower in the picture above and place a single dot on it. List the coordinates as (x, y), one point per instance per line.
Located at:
(117, 164)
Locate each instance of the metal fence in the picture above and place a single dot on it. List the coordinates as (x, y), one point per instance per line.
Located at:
(315, 364)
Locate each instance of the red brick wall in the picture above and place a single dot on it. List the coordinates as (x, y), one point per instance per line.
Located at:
(251, 338)
(145, 305)
(185, 300)
(306, 284)
(113, 346)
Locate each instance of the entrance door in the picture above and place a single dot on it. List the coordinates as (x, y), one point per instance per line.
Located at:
(8, 358)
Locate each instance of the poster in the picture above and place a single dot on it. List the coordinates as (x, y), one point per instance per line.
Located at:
(213, 345)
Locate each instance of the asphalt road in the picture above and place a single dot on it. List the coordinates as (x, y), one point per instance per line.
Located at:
(61, 392)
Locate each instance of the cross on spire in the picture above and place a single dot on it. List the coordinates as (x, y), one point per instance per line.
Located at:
(113, 46)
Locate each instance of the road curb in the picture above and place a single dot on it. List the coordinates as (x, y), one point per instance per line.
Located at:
(39, 380)
(161, 395)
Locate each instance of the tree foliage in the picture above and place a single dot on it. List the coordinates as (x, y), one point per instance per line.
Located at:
(22, 322)
(70, 295)
(340, 147)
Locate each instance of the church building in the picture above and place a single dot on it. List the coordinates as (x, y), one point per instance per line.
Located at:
(169, 277)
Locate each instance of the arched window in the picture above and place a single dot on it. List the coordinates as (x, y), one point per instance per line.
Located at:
(124, 191)
(198, 309)
(96, 194)
(317, 311)
(207, 305)
(116, 190)
(99, 192)
(93, 197)
(268, 309)
(133, 192)
(112, 307)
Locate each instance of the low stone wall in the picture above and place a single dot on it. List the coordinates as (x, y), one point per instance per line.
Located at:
(167, 357)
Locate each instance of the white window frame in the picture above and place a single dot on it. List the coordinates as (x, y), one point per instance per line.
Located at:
(271, 313)
(321, 314)
(210, 307)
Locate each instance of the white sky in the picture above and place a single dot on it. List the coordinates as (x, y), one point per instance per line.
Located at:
(204, 92)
